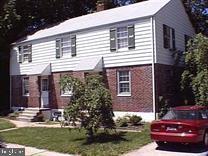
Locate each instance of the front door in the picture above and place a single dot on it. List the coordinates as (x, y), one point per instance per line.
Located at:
(44, 92)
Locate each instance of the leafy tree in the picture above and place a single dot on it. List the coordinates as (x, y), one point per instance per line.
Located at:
(198, 13)
(90, 104)
(195, 76)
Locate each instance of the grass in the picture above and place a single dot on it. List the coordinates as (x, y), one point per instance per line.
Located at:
(5, 124)
(73, 141)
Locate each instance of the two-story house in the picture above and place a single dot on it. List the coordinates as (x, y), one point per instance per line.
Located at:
(130, 45)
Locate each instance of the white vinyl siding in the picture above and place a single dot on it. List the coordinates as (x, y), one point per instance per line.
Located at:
(124, 83)
(25, 86)
(90, 43)
(174, 16)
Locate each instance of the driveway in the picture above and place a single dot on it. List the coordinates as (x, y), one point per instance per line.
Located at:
(171, 150)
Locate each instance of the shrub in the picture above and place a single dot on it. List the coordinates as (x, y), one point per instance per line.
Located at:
(122, 121)
(135, 120)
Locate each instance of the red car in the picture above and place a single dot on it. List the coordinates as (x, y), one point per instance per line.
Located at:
(184, 124)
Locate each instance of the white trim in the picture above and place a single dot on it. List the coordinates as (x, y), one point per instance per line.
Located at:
(118, 82)
(124, 95)
(10, 92)
(153, 66)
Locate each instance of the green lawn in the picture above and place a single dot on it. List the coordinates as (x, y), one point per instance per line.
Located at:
(5, 124)
(73, 141)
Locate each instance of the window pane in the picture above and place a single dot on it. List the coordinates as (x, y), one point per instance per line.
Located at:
(25, 86)
(124, 82)
(44, 84)
(66, 45)
(123, 76)
(122, 37)
(25, 53)
(124, 88)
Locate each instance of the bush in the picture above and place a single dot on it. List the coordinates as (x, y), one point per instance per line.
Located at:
(135, 120)
(122, 121)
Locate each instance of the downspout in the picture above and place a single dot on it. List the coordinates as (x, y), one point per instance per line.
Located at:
(10, 92)
(153, 65)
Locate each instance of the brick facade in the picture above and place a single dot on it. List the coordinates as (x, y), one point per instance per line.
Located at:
(56, 101)
(141, 89)
(141, 99)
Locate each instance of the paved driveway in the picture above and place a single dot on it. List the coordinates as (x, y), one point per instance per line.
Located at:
(172, 150)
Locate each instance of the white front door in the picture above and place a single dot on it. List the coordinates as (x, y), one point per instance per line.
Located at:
(44, 92)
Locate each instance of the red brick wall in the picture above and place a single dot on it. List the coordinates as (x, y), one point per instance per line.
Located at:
(141, 89)
(139, 101)
(55, 99)
(34, 91)
(18, 100)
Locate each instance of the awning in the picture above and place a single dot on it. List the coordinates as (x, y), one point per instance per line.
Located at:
(90, 64)
(42, 69)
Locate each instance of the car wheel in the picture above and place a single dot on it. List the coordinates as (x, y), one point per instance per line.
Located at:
(160, 143)
(205, 142)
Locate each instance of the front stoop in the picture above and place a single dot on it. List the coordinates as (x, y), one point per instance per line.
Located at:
(29, 114)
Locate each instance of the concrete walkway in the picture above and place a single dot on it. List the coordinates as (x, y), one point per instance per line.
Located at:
(179, 150)
(31, 151)
(20, 124)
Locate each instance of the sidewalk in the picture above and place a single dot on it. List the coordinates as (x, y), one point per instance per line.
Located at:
(20, 124)
(31, 151)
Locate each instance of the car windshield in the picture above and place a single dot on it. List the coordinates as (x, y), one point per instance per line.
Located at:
(186, 115)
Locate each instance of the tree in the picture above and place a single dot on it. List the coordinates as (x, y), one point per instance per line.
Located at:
(198, 13)
(90, 104)
(195, 76)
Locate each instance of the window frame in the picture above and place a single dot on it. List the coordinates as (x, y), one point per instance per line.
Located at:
(119, 93)
(169, 36)
(126, 37)
(64, 93)
(24, 50)
(70, 42)
(24, 85)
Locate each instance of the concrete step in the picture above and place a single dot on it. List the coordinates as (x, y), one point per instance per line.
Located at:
(28, 115)
(32, 109)
(30, 112)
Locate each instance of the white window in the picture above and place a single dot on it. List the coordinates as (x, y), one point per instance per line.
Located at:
(124, 83)
(66, 92)
(66, 45)
(25, 86)
(122, 37)
(25, 53)
(63, 46)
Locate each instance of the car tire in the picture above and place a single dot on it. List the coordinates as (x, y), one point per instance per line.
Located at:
(160, 143)
(205, 141)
